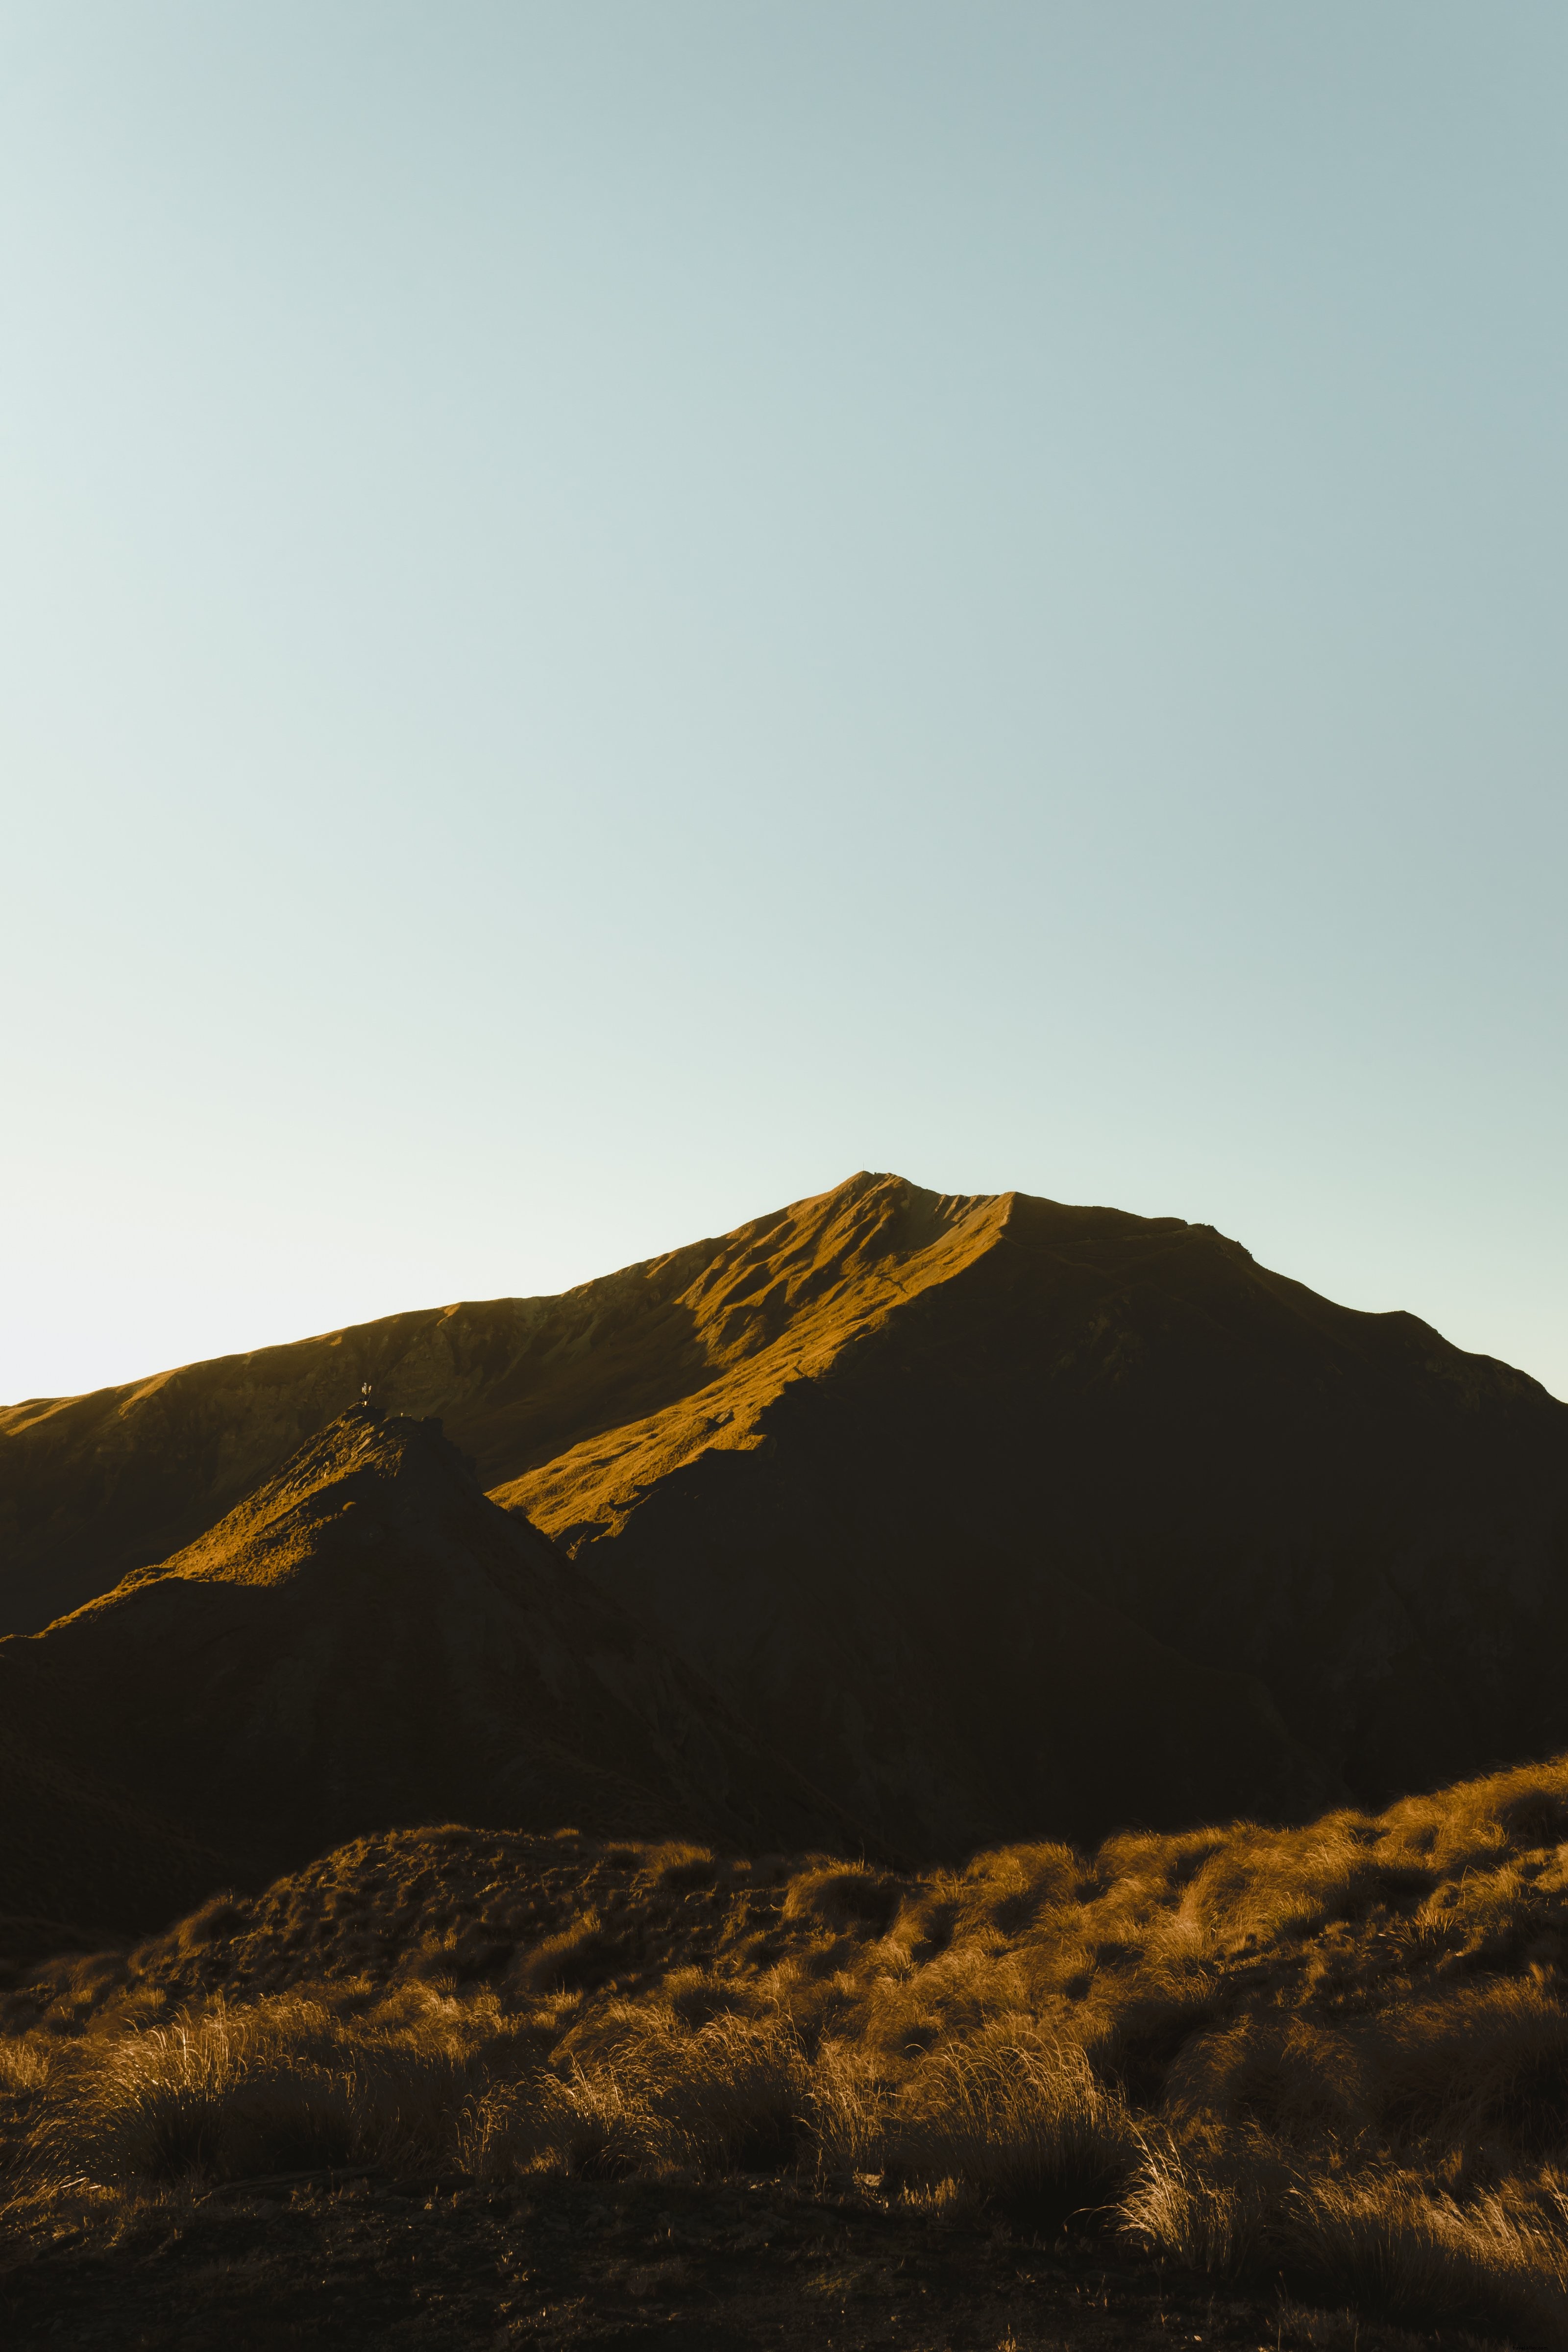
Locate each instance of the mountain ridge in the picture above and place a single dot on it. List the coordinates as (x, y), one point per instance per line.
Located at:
(995, 1514)
(366, 1639)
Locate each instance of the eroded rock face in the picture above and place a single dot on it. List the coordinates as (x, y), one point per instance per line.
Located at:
(998, 1517)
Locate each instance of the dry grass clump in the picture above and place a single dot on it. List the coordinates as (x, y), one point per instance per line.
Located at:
(1338, 2052)
(1387, 2243)
(726, 2095)
(1013, 2112)
(573, 1956)
(291, 2085)
(284, 2084)
(1478, 2059)
(1281, 2073)
(1018, 2115)
(1382, 2239)
(1207, 2199)
(848, 1898)
(680, 1865)
(25, 2061)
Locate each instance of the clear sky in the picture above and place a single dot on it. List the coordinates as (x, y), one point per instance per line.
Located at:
(610, 611)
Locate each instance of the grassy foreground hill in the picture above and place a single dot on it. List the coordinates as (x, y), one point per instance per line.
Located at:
(651, 2093)
(993, 1516)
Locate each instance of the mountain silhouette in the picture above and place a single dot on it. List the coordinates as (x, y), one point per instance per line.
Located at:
(365, 1640)
(996, 1517)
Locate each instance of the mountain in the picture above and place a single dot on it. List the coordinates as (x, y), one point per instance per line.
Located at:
(998, 1516)
(366, 1640)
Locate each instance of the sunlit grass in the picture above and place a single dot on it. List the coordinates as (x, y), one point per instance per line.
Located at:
(1337, 2055)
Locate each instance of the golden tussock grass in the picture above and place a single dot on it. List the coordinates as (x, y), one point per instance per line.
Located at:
(1336, 2054)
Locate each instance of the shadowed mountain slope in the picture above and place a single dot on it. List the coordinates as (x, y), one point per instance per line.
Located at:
(1038, 1428)
(366, 1641)
(996, 1515)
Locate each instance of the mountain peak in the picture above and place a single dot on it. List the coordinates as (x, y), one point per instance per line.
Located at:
(993, 1513)
(366, 1475)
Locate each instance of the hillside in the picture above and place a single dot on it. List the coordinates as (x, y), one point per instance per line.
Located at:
(1214, 2087)
(366, 1641)
(995, 1516)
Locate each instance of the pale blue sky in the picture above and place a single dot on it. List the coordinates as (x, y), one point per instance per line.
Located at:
(611, 611)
